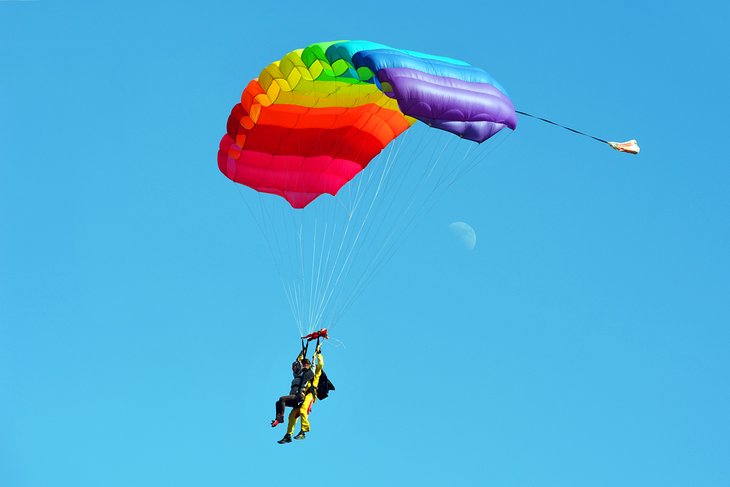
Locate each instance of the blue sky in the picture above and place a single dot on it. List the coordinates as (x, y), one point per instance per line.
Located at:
(584, 341)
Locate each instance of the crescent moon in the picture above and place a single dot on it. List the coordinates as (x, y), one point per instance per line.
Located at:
(465, 233)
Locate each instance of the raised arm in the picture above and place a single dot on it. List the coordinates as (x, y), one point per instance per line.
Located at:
(319, 365)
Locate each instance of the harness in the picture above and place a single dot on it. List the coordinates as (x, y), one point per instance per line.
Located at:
(306, 340)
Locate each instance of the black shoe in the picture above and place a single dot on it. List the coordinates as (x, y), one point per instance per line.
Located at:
(286, 439)
(300, 436)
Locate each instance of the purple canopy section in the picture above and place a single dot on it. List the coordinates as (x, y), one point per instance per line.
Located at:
(472, 110)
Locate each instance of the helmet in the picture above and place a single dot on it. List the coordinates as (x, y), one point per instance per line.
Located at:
(296, 367)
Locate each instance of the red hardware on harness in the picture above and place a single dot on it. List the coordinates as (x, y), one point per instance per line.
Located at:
(316, 335)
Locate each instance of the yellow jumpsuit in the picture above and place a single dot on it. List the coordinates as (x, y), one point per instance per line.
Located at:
(303, 410)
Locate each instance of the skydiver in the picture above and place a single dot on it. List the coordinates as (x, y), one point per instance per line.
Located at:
(306, 406)
(303, 376)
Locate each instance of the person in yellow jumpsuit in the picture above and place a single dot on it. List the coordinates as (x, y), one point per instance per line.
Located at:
(303, 411)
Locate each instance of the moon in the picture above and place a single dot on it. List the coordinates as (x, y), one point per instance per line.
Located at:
(465, 233)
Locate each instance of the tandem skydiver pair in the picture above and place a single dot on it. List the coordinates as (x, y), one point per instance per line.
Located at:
(306, 387)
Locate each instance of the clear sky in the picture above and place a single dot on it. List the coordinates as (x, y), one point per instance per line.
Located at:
(584, 341)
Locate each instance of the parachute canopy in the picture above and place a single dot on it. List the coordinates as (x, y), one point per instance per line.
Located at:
(317, 117)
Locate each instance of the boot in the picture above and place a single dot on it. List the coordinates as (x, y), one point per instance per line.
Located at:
(286, 439)
(300, 436)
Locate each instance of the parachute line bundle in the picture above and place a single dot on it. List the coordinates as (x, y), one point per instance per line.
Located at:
(315, 119)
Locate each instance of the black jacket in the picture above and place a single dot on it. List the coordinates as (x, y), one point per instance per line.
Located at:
(301, 381)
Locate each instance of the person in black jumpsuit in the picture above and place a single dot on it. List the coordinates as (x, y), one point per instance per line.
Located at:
(303, 376)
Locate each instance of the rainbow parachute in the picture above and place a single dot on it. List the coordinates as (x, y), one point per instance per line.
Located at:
(316, 118)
